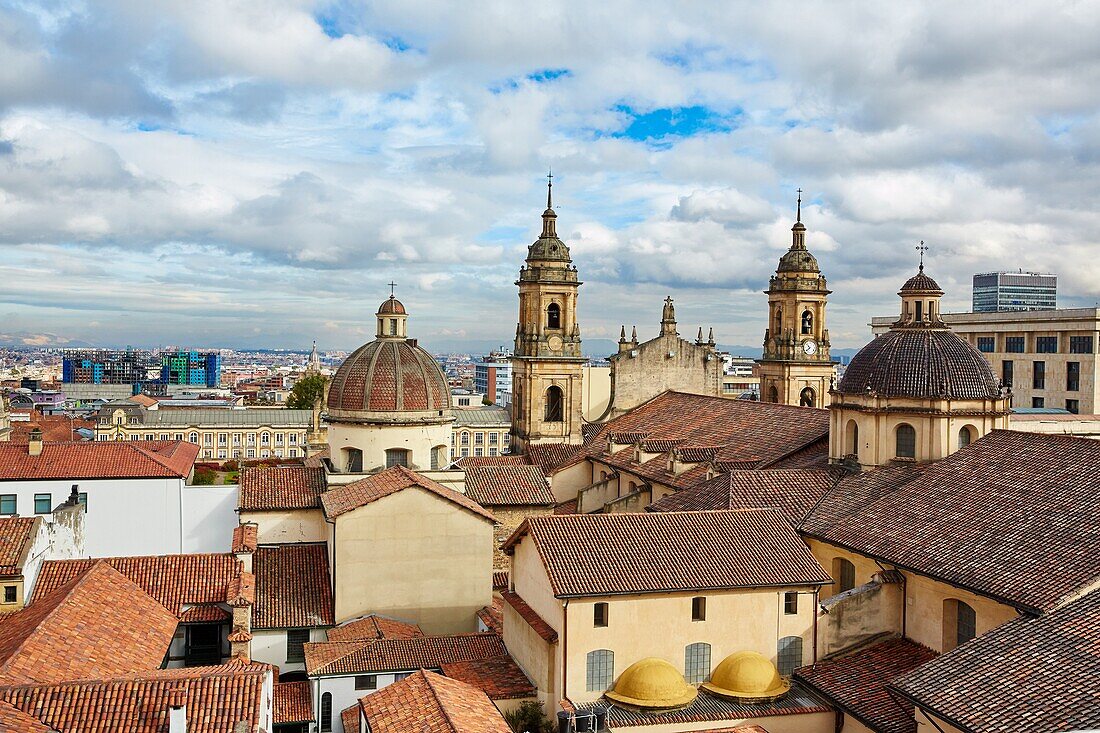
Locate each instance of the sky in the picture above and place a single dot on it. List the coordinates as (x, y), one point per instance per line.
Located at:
(243, 173)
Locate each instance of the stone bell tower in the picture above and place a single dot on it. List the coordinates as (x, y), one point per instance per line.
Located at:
(547, 361)
(796, 368)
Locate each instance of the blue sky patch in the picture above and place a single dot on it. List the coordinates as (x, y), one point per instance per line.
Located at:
(675, 122)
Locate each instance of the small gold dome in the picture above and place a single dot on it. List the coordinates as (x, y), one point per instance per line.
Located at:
(747, 677)
(653, 684)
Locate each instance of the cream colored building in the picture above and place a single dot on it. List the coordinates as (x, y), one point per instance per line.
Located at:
(481, 431)
(221, 434)
(917, 392)
(1048, 358)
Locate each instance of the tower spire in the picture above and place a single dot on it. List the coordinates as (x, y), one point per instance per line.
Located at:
(798, 211)
(549, 218)
(549, 188)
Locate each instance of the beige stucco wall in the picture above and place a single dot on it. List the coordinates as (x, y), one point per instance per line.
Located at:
(535, 656)
(415, 556)
(296, 525)
(566, 482)
(596, 391)
(374, 440)
(870, 610)
(645, 371)
(540, 659)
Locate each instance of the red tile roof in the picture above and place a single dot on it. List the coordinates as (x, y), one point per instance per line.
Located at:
(498, 677)
(500, 579)
(566, 507)
(528, 614)
(342, 499)
(16, 536)
(245, 538)
(99, 624)
(174, 580)
(793, 491)
(748, 548)
(13, 720)
(468, 462)
(856, 682)
(55, 428)
(396, 655)
(548, 456)
(280, 488)
(1030, 674)
(292, 703)
(204, 614)
(293, 587)
(493, 616)
(508, 486)
(92, 460)
(374, 627)
(350, 718)
(217, 699)
(993, 518)
(430, 703)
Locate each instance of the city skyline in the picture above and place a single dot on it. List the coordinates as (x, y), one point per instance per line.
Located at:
(253, 179)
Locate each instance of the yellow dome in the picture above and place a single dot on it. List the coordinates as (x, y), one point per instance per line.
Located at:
(653, 684)
(747, 677)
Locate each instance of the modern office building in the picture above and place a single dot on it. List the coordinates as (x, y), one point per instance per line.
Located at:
(1015, 291)
(104, 366)
(1046, 357)
(191, 367)
(493, 376)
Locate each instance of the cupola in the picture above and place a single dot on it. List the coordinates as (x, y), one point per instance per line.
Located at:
(747, 677)
(652, 684)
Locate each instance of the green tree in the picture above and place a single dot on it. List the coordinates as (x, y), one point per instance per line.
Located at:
(306, 391)
(528, 718)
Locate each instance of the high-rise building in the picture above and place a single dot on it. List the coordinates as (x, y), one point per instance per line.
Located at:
(104, 366)
(493, 376)
(191, 368)
(1015, 291)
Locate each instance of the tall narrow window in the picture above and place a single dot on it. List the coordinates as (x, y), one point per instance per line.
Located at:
(295, 644)
(697, 662)
(599, 670)
(553, 316)
(906, 442)
(844, 573)
(790, 654)
(852, 435)
(920, 310)
(790, 603)
(773, 395)
(1038, 375)
(959, 623)
(393, 327)
(807, 323)
(326, 712)
(1073, 376)
(1006, 373)
(554, 404)
(778, 322)
(699, 608)
(599, 614)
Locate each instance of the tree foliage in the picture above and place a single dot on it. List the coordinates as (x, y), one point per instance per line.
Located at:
(306, 391)
(529, 718)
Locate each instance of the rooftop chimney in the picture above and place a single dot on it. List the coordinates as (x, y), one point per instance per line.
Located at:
(34, 445)
(177, 711)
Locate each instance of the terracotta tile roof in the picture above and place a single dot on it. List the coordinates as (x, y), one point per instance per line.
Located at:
(245, 538)
(983, 518)
(498, 677)
(55, 428)
(374, 627)
(814, 455)
(742, 430)
(342, 499)
(217, 699)
(493, 616)
(430, 703)
(793, 491)
(566, 507)
(528, 614)
(350, 718)
(395, 655)
(90, 460)
(281, 487)
(13, 720)
(508, 486)
(293, 587)
(856, 682)
(317, 460)
(548, 456)
(241, 590)
(66, 634)
(16, 536)
(198, 614)
(500, 579)
(292, 702)
(143, 400)
(468, 462)
(759, 548)
(1033, 674)
(174, 580)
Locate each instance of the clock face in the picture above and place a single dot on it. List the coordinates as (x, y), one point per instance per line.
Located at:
(810, 347)
(554, 342)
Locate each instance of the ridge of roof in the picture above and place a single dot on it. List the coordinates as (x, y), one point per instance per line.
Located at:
(342, 499)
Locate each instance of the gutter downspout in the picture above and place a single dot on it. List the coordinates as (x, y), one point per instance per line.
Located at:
(817, 607)
(564, 645)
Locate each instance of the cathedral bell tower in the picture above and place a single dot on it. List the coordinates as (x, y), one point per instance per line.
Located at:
(796, 368)
(547, 362)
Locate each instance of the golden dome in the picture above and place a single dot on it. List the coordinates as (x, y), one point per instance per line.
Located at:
(653, 684)
(747, 677)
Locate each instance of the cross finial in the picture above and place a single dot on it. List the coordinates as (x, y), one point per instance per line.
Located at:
(922, 248)
(798, 215)
(549, 188)
(392, 285)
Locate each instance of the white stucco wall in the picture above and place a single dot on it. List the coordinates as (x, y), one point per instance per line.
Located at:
(344, 695)
(209, 516)
(269, 646)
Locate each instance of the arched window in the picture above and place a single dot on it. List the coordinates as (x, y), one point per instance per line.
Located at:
(439, 457)
(193, 438)
(808, 398)
(790, 655)
(807, 323)
(778, 322)
(353, 460)
(851, 436)
(906, 442)
(966, 434)
(773, 395)
(844, 574)
(326, 712)
(553, 316)
(555, 407)
(599, 670)
(397, 457)
(958, 623)
(697, 662)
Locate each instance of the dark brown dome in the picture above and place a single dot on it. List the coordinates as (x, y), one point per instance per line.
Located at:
(393, 306)
(798, 260)
(389, 380)
(922, 363)
(921, 283)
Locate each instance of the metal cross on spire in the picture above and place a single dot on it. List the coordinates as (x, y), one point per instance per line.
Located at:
(549, 188)
(392, 285)
(798, 216)
(922, 248)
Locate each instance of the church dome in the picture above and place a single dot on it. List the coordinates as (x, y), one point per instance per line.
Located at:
(653, 684)
(798, 260)
(392, 306)
(920, 362)
(921, 283)
(747, 677)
